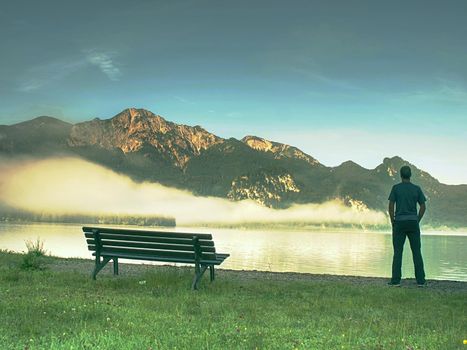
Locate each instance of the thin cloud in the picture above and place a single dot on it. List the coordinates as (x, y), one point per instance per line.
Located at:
(31, 85)
(446, 91)
(45, 74)
(105, 63)
(42, 75)
(323, 79)
(180, 99)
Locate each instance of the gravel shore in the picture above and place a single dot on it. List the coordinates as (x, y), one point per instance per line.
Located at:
(86, 266)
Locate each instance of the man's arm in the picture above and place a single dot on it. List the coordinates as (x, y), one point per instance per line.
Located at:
(421, 212)
(421, 201)
(391, 211)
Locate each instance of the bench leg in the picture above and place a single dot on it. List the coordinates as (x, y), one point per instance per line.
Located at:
(199, 271)
(211, 272)
(115, 266)
(99, 266)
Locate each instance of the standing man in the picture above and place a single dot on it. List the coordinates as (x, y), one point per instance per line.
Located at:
(405, 223)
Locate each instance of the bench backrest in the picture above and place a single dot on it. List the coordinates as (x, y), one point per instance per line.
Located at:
(174, 245)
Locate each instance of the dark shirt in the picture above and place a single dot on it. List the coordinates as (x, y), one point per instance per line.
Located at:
(406, 195)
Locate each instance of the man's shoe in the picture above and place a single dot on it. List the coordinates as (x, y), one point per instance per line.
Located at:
(394, 284)
(422, 285)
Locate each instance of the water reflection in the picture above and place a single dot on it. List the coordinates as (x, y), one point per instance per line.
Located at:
(344, 253)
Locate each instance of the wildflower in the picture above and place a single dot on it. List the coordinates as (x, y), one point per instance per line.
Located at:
(142, 282)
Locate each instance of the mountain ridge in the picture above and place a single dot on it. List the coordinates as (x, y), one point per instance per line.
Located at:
(147, 147)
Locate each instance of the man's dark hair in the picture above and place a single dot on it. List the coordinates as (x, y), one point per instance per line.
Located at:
(406, 172)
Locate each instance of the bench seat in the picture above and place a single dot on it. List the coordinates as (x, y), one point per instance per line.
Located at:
(219, 258)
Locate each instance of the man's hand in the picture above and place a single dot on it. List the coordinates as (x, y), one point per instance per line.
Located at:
(391, 212)
(421, 212)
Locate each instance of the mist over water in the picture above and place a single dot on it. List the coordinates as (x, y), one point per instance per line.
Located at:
(76, 186)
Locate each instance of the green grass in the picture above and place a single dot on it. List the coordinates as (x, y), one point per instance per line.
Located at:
(49, 309)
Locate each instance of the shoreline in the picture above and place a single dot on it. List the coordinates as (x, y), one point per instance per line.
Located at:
(432, 231)
(85, 266)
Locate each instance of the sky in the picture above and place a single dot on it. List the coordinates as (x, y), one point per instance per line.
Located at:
(359, 80)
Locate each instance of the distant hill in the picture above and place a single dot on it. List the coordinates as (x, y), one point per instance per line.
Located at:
(41, 136)
(145, 146)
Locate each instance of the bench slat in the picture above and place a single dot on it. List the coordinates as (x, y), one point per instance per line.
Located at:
(164, 259)
(149, 258)
(176, 247)
(217, 261)
(119, 231)
(153, 252)
(148, 239)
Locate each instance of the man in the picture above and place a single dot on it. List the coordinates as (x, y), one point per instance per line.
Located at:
(405, 223)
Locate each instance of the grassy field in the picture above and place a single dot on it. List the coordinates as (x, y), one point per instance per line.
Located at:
(60, 307)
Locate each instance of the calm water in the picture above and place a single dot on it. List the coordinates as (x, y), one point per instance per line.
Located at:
(344, 253)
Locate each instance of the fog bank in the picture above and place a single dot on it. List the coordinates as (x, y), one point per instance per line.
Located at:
(75, 186)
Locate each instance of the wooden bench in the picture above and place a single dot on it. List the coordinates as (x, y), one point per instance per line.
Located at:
(188, 248)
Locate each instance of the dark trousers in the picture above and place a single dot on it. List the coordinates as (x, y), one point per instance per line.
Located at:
(400, 230)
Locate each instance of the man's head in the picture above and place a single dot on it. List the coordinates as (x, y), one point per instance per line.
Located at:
(406, 172)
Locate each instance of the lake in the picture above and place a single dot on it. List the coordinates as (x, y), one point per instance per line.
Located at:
(333, 252)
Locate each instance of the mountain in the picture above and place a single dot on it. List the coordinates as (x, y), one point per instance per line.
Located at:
(141, 144)
(146, 147)
(40, 136)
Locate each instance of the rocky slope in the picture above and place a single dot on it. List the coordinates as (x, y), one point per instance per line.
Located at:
(279, 150)
(136, 130)
(271, 188)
